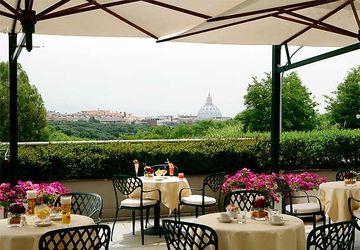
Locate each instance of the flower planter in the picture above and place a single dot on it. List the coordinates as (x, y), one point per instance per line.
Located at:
(350, 182)
(15, 220)
(259, 214)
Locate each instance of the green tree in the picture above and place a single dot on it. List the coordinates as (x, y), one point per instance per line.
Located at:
(31, 110)
(298, 108)
(344, 108)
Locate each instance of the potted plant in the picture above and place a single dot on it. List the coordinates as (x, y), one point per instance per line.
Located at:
(148, 172)
(350, 178)
(259, 208)
(232, 210)
(16, 216)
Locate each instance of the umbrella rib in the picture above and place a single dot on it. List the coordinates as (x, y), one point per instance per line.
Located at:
(3, 13)
(334, 11)
(172, 7)
(51, 8)
(81, 8)
(10, 8)
(123, 19)
(317, 26)
(15, 20)
(356, 15)
(329, 26)
(279, 8)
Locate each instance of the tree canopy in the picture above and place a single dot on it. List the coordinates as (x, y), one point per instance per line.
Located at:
(298, 107)
(344, 108)
(31, 109)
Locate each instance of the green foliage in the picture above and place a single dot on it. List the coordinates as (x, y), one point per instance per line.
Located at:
(31, 110)
(330, 149)
(58, 135)
(94, 130)
(298, 108)
(346, 105)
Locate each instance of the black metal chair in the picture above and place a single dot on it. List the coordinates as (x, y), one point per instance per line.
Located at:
(181, 235)
(340, 175)
(89, 204)
(339, 235)
(354, 213)
(126, 185)
(244, 199)
(214, 182)
(299, 209)
(85, 237)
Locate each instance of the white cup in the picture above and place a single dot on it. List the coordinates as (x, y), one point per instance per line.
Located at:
(276, 219)
(225, 216)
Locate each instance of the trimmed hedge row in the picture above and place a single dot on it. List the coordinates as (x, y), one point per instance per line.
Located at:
(326, 149)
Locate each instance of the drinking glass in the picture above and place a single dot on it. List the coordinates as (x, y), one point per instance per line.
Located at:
(65, 209)
(241, 217)
(181, 176)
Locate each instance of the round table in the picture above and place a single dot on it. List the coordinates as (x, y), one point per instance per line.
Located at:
(169, 187)
(257, 235)
(27, 237)
(334, 197)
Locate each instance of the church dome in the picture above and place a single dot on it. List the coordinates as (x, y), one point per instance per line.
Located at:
(209, 110)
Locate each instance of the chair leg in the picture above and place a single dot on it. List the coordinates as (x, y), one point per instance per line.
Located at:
(133, 221)
(202, 210)
(196, 211)
(115, 219)
(178, 210)
(142, 226)
(175, 212)
(147, 217)
(314, 221)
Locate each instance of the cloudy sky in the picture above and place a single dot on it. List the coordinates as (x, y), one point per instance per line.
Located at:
(139, 76)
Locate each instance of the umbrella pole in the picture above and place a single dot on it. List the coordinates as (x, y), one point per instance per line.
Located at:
(275, 107)
(13, 108)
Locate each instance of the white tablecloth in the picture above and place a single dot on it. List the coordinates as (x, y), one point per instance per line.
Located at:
(257, 235)
(334, 196)
(27, 237)
(169, 187)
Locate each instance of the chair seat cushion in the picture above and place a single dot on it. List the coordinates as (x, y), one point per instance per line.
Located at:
(196, 199)
(135, 202)
(304, 208)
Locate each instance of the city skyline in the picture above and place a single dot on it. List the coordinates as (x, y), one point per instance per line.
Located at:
(148, 79)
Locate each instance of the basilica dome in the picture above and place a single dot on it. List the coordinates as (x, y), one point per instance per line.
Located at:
(209, 110)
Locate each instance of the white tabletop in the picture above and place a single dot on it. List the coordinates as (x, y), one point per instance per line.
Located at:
(255, 235)
(27, 237)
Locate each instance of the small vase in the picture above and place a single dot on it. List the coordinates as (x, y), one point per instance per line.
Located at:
(350, 182)
(259, 214)
(15, 220)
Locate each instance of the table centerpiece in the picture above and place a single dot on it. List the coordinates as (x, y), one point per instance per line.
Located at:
(16, 215)
(148, 172)
(259, 208)
(232, 210)
(350, 178)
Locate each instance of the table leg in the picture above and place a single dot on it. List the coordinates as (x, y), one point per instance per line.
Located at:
(156, 229)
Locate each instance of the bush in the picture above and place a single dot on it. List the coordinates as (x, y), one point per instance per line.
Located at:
(331, 149)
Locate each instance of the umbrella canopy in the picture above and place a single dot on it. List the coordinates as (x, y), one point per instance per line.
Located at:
(110, 18)
(324, 23)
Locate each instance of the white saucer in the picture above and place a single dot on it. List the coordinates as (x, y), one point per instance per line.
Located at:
(43, 223)
(55, 217)
(280, 223)
(224, 221)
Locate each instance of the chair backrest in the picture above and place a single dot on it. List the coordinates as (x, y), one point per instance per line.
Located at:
(84, 237)
(244, 199)
(340, 175)
(89, 204)
(285, 191)
(339, 235)
(126, 184)
(181, 235)
(214, 181)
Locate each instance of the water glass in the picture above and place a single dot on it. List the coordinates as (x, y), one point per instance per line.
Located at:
(65, 209)
(241, 217)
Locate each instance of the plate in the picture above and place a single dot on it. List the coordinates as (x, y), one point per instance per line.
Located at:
(224, 221)
(43, 223)
(158, 178)
(55, 217)
(278, 223)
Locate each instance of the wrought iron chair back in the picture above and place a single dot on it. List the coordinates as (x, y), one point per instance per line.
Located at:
(214, 181)
(181, 235)
(284, 190)
(89, 204)
(340, 175)
(339, 235)
(244, 199)
(126, 184)
(85, 237)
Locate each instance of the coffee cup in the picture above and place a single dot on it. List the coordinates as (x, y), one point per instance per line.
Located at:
(225, 216)
(276, 219)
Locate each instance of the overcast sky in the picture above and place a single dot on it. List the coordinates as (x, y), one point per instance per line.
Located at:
(142, 77)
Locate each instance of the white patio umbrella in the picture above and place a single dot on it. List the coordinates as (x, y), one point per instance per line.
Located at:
(324, 23)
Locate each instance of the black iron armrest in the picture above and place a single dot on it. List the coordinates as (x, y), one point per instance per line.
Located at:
(197, 189)
(309, 196)
(153, 190)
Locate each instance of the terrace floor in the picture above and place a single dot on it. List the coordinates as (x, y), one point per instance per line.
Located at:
(123, 238)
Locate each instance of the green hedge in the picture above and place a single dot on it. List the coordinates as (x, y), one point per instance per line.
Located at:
(326, 149)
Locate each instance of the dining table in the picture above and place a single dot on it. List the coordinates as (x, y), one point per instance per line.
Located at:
(257, 235)
(169, 187)
(27, 237)
(334, 197)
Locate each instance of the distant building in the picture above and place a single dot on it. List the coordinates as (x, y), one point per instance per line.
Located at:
(209, 111)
